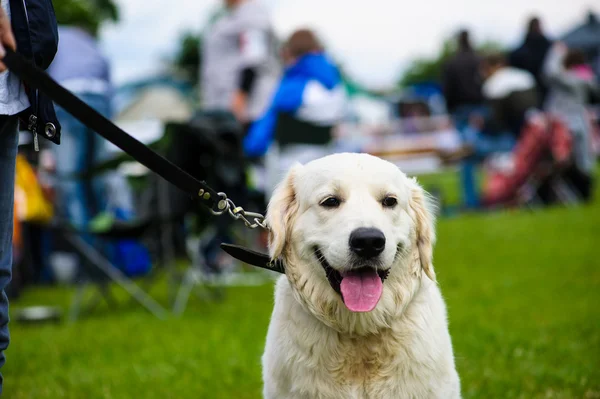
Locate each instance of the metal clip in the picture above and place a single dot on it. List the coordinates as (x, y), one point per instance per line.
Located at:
(252, 220)
(33, 127)
(32, 122)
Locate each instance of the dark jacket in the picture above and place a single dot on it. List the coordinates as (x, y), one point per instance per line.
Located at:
(461, 81)
(530, 56)
(36, 32)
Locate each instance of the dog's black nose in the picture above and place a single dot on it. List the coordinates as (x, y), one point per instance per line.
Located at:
(367, 242)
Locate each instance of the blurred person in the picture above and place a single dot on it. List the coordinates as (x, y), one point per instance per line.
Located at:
(80, 67)
(509, 94)
(29, 19)
(238, 74)
(530, 55)
(309, 102)
(461, 80)
(572, 85)
(240, 69)
(461, 85)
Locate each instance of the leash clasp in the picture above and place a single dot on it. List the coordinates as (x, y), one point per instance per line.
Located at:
(252, 220)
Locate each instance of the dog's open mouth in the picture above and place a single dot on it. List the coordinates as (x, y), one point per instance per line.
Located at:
(360, 288)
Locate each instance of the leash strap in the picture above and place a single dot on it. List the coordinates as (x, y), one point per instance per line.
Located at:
(38, 79)
(254, 258)
(218, 203)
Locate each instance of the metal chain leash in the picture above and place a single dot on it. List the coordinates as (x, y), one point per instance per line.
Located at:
(252, 220)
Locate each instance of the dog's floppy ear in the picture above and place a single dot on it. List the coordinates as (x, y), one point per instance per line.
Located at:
(281, 211)
(423, 212)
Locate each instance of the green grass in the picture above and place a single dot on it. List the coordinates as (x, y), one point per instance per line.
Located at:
(523, 295)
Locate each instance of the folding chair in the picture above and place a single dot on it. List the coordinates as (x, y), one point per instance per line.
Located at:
(100, 272)
(96, 270)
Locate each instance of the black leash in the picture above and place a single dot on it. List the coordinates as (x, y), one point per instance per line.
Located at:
(38, 79)
(254, 258)
(218, 203)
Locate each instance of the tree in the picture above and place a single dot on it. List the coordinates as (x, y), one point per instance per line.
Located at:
(88, 14)
(425, 70)
(188, 57)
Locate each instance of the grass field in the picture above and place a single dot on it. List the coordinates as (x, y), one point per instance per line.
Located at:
(522, 288)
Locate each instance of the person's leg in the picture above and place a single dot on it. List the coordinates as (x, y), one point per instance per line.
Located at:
(468, 171)
(468, 179)
(485, 145)
(468, 165)
(80, 149)
(71, 158)
(9, 139)
(74, 194)
(97, 191)
(98, 151)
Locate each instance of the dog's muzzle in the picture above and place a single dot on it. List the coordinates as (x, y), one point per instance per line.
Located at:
(360, 287)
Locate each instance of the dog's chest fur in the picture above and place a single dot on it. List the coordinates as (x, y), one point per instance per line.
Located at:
(307, 359)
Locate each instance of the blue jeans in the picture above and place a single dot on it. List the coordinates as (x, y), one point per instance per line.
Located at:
(483, 145)
(468, 167)
(79, 200)
(9, 140)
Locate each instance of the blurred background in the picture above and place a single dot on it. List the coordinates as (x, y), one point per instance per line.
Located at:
(120, 289)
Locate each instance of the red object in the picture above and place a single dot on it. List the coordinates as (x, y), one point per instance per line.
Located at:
(542, 138)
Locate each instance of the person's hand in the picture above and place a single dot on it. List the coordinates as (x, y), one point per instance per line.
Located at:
(7, 39)
(238, 106)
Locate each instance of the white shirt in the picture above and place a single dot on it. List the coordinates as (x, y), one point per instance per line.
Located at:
(506, 80)
(13, 98)
(240, 38)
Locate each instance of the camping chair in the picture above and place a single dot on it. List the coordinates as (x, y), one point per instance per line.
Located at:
(99, 272)
(149, 226)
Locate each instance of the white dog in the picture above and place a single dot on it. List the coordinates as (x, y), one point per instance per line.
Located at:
(358, 313)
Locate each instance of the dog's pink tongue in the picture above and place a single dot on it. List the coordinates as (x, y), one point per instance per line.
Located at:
(361, 290)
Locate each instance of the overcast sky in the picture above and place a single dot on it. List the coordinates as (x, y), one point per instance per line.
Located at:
(373, 38)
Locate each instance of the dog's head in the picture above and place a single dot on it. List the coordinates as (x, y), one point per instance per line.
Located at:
(356, 235)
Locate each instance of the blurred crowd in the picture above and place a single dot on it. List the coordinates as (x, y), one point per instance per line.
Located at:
(523, 116)
(527, 114)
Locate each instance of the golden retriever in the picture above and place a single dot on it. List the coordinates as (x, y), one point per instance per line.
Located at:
(358, 313)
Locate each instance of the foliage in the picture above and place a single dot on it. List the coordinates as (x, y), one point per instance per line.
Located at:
(188, 57)
(88, 14)
(423, 70)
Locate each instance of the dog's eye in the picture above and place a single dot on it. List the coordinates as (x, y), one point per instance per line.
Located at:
(389, 202)
(330, 202)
